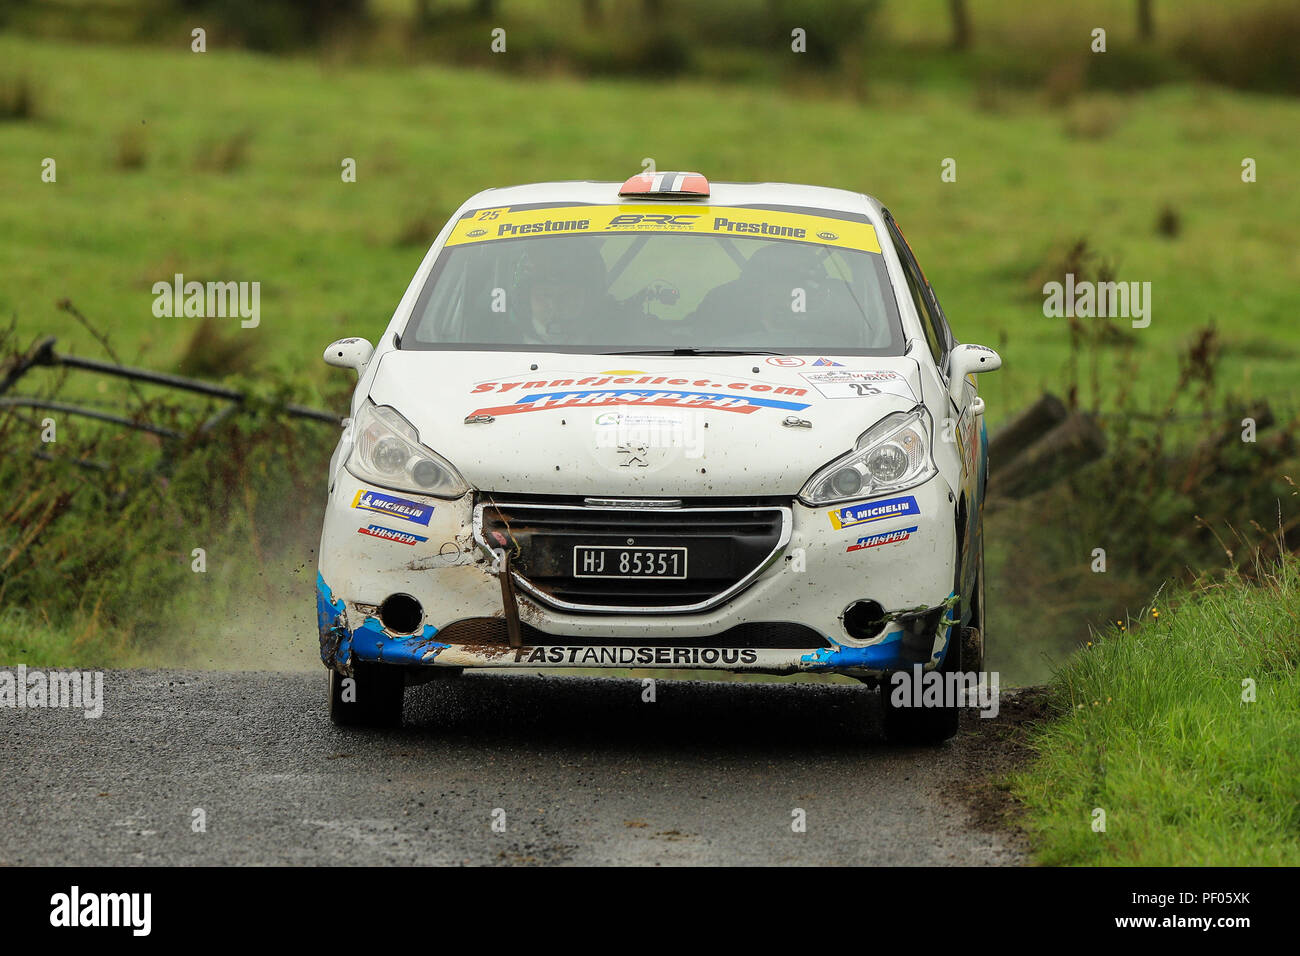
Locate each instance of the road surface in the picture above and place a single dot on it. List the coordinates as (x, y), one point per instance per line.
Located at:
(576, 770)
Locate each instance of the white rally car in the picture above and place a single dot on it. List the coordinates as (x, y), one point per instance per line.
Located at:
(676, 424)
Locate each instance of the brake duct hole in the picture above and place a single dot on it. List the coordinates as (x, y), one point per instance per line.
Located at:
(401, 613)
(863, 619)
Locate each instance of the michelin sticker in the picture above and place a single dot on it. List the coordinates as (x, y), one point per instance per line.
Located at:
(874, 511)
(851, 384)
(401, 537)
(394, 507)
(885, 537)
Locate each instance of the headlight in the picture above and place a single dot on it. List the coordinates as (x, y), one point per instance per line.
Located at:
(891, 455)
(386, 451)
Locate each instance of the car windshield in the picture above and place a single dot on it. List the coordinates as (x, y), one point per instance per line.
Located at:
(707, 280)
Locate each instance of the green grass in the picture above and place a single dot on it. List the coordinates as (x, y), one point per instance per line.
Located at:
(231, 617)
(1155, 733)
(139, 197)
(330, 261)
(29, 637)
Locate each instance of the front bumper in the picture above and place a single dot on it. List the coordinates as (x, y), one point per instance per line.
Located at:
(377, 543)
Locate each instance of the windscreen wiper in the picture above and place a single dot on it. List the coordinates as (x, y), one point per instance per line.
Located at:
(687, 350)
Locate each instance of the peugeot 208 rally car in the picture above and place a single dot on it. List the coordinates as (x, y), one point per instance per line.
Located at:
(676, 424)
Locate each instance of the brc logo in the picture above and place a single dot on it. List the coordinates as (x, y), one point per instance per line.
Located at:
(654, 219)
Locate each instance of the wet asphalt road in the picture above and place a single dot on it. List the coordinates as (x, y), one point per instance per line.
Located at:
(584, 770)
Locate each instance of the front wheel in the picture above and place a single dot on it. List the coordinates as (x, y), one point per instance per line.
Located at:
(371, 697)
(905, 723)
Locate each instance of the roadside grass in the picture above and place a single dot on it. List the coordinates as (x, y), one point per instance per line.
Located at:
(27, 636)
(334, 258)
(122, 549)
(233, 617)
(1152, 729)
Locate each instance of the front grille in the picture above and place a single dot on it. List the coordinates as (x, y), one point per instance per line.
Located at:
(727, 547)
(763, 635)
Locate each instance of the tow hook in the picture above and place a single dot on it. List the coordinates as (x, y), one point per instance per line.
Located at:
(508, 601)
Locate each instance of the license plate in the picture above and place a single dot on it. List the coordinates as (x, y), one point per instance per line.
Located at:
(614, 561)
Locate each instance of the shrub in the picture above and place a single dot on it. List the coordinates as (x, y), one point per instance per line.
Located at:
(17, 99)
(1259, 51)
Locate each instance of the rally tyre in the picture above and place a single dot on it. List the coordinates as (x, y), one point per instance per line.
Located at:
(923, 725)
(934, 725)
(373, 700)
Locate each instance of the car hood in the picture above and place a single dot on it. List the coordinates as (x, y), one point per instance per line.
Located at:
(602, 425)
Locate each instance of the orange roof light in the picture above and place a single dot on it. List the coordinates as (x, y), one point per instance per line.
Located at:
(665, 186)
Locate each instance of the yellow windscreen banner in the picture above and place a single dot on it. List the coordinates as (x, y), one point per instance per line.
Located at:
(485, 225)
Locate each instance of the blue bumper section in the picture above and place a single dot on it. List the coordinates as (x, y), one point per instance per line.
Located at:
(888, 655)
(370, 643)
(341, 645)
(332, 622)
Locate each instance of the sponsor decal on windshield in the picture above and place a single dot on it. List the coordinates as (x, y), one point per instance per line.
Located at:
(389, 505)
(885, 537)
(488, 225)
(874, 511)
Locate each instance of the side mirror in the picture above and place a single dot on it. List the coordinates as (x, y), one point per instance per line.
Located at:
(350, 353)
(965, 360)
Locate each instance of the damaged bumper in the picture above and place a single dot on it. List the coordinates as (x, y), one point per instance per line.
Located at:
(783, 608)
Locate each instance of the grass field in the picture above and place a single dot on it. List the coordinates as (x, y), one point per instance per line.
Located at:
(226, 166)
(1157, 733)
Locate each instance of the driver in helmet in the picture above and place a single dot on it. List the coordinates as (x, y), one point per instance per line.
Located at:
(755, 309)
(561, 283)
